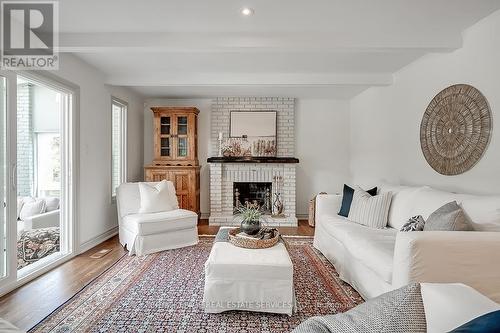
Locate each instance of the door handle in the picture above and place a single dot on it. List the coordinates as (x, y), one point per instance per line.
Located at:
(14, 176)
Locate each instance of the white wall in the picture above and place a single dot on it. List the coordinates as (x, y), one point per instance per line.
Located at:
(385, 121)
(97, 214)
(321, 144)
(205, 107)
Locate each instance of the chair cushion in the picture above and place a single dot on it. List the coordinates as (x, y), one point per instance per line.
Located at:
(157, 197)
(157, 223)
(373, 247)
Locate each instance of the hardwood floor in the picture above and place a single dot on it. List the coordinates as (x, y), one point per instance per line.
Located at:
(29, 304)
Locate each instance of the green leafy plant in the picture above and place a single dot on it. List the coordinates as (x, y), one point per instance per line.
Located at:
(249, 214)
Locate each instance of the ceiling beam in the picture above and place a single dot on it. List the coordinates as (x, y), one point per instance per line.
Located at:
(140, 42)
(248, 79)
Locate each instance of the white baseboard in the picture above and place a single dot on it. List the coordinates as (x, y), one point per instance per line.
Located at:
(204, 216)
(97, 240)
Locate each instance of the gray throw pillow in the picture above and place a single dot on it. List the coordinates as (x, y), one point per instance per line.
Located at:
(415, 223)
(398, 311)
(450, 217)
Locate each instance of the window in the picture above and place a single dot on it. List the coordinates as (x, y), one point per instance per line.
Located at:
(118, 144)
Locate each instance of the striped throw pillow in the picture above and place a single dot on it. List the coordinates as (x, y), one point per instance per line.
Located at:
(368, 210)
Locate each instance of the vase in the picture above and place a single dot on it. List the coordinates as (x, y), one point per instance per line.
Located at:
(250, 227)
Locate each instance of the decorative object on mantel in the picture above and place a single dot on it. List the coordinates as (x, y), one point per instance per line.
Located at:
(455, 129)
(266, 237)
(234, 147)
(176, 153)
(220, 138)
(252, 159)
(278, 203)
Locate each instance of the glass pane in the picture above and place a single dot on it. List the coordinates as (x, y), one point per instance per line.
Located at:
(3, 176)
(165, 125)
(165, 147)
(116, 147)
(182, 125)
(39, 178)
(182, 149)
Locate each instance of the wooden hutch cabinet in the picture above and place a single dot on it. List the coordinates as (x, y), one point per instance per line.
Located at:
(176, 153)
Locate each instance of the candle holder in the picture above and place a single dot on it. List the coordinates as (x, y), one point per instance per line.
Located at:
(220, 144)
(278, 206)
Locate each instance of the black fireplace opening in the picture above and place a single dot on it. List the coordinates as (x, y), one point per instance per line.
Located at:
(256, 194)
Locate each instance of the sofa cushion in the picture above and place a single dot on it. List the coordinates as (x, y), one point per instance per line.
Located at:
(401, 204)
(51, 203)
(33, 208)
(347, 195)
(449, 217)
(427, 200)
(374, 247)
(483, 211)
(370, 210)
(155, 223)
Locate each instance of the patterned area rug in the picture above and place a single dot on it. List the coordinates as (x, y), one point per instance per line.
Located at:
(36, 244)
(163, 292)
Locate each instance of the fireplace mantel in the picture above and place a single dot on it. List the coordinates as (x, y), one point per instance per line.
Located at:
(252, 159)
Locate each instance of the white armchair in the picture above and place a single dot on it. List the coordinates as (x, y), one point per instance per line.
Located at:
(152, 232)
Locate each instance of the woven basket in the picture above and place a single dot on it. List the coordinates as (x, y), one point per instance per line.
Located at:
(250, 243)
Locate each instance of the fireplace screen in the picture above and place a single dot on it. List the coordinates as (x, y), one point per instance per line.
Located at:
(253, 194)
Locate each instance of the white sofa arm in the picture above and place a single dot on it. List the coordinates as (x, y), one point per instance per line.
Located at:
(468, 257)
(45, 220)
(327, 205)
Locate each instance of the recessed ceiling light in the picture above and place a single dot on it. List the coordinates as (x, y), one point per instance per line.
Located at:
(246, 11)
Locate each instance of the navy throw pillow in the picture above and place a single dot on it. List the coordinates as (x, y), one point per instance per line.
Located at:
(487, 323)
(347, 199)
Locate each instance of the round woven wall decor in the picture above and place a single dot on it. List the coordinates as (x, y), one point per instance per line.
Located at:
(455, 129)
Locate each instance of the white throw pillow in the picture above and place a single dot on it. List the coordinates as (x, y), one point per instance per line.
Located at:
(450, 305)
(403, 198)
(484, 211)
(157, 198)
(51, 204)
(368, 210)
(32, 208)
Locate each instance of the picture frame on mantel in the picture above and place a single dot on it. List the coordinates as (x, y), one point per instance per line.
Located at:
(251, 133)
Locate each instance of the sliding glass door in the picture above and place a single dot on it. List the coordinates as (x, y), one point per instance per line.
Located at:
(38, 170)
(7, 177)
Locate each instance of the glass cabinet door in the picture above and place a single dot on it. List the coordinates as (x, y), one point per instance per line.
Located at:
(165, 125)
(182, 139)
(165, 147)
(165, 136)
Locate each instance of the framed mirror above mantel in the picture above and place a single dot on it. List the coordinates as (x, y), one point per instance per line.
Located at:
(251, 133)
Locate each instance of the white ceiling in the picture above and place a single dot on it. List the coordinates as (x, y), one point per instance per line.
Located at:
(320, 48)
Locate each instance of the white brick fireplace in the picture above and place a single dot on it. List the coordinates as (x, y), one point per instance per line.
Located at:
(223, 175)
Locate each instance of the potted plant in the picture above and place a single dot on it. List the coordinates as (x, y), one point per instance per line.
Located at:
(250, 219)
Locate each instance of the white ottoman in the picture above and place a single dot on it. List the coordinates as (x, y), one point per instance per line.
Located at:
(248, 279)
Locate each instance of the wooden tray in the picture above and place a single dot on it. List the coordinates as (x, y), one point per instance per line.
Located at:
(250, 243)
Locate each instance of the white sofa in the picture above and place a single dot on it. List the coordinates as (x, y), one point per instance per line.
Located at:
(153, 232)
(44, 220)
(375, 261)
